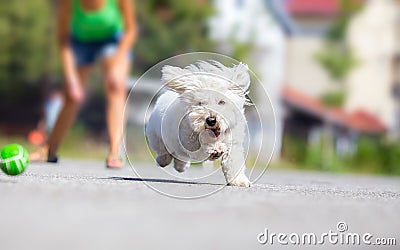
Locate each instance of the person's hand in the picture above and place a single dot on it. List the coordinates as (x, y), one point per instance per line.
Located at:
(74, 89)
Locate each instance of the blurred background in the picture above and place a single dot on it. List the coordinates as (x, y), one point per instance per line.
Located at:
(331, 69)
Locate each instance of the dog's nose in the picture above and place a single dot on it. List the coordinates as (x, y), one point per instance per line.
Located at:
(211, 121)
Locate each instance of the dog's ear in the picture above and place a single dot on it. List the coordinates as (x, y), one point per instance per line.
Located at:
(175, 78)
(240, 78)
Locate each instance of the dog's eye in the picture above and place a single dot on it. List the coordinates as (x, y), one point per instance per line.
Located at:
(201, 103)
(221, 102)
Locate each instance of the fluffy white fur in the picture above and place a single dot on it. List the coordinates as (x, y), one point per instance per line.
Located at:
(201, 117)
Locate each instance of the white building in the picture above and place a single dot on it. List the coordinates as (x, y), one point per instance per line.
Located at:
(257, 24)
(374, 38)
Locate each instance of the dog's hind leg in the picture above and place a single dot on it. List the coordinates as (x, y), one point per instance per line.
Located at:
(233, 167)
(164, 160)
(180, 166)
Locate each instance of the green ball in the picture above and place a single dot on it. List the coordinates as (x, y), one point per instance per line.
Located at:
(14, 159)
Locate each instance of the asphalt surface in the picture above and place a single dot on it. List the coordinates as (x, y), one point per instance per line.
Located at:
(82, 205)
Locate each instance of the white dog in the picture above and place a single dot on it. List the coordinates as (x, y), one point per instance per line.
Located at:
(201, 117)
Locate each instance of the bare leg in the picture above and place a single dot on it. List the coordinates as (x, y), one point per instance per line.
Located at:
(66, 117)
(116, 97)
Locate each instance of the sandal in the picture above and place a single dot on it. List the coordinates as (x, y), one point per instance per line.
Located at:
(52, 158)
(114, 162)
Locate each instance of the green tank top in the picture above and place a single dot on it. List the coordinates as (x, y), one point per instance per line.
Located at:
(96, 25)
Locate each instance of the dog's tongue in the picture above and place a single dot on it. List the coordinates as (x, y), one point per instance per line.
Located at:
(216, 132)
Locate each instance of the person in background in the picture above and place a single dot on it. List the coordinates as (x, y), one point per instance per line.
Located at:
(90, 31)
(38, 137)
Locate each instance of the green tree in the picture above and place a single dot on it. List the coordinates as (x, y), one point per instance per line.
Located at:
(26, 39)
(337, 57)
(170, 27)
(27, 58)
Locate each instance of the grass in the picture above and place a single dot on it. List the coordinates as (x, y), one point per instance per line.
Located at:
(77, 144)
(8, 139)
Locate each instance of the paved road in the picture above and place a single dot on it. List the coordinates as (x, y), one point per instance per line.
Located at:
(82, 205)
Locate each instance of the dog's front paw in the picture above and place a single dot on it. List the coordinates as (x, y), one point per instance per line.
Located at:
(240, 181)
(215, 154)
(217, 151)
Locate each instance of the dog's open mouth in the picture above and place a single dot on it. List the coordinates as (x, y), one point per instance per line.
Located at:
(215, 132)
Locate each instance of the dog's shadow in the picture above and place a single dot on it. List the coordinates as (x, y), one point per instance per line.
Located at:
(153, 180)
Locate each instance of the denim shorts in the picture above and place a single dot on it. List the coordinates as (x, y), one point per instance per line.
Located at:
(87, 53)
